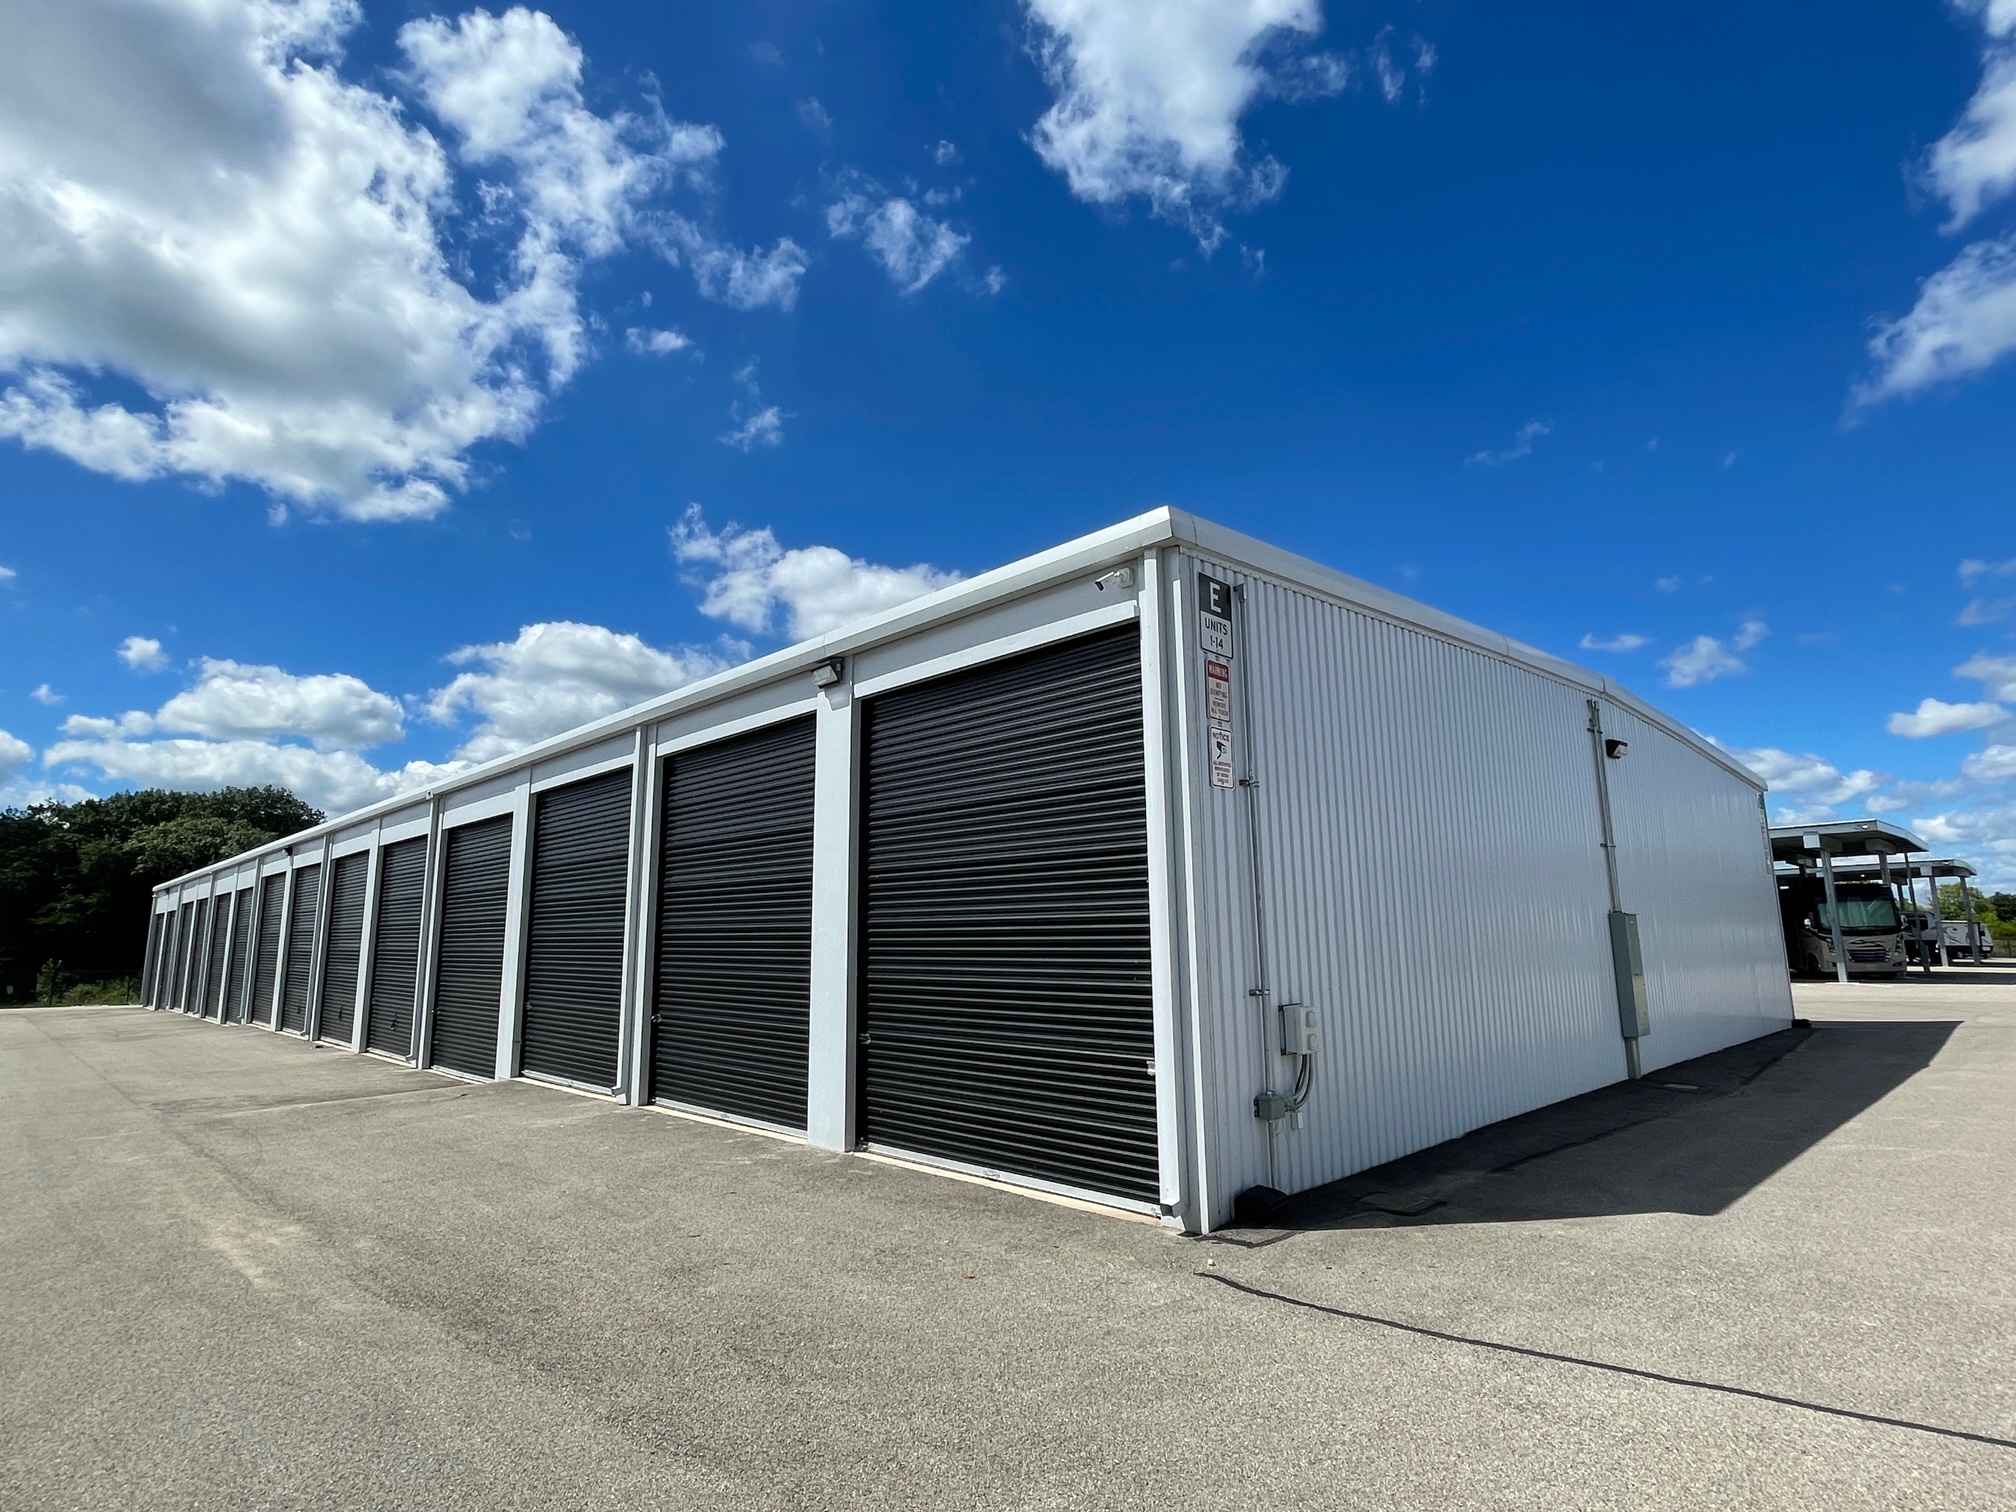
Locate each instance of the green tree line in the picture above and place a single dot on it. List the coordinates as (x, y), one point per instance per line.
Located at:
(75, 879)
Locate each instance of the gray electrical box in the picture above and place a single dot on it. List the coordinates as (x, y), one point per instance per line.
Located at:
(1633, 1015)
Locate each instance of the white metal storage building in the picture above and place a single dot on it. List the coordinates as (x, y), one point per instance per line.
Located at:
(1151, 868)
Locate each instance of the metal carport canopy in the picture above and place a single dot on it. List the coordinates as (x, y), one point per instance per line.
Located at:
(1798, 844)
(1794, 843)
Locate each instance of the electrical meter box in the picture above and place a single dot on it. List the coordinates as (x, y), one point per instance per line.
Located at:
(1633, 1014)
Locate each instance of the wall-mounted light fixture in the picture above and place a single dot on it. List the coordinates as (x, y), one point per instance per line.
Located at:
(830, 672)
(1615, 749)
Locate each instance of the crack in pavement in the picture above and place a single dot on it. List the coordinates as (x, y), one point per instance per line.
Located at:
(1624, 1370)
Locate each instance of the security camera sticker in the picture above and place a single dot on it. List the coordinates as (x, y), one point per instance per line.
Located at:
(1221, 758)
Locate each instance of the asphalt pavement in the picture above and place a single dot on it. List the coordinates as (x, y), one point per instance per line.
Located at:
(243, 1273)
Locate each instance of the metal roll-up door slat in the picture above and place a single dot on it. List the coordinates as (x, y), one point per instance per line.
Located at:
(343, 956)
(243, 928)
(395, 947)
(266, 965)
(1005, 995)
(574, 946)
(220, 939)
(731, 1000)
(469, 980)
(294, 988)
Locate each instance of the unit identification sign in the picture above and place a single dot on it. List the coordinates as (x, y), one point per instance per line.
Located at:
(1221, 758)
(1217, 691)
(1214, 616)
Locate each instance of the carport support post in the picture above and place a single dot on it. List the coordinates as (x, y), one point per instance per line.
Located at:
(1938, 912)
(1834, 919)
(1932, 909)
(1973, 929)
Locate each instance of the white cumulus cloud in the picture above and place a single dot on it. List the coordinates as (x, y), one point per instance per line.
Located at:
(1624, 642)
(1805, 786)
(1965, 316)
(194, 199)
(649, 343)
(554, 676)
(1996, 674)
(1934, 717)
(1994, 763)
(142, 654)
(1522, 445)
(335, 781)
(15, 753)
(1705, 658)
(331, 710)
(757, 585)
(912, 247)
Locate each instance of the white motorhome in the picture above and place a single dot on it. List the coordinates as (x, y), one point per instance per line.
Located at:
(1871, 932)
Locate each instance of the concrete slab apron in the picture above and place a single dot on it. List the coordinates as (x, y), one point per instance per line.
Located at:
(247, 1273)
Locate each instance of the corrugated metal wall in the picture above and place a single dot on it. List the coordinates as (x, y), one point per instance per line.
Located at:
(1693, 864)
(1434, 884)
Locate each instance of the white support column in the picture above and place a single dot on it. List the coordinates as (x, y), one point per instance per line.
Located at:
(1973, 928)
(631, 1004)
(1938, 913)
(427, 969)
(517, 904)
(829, 1093)
(367, 940)
(1170, 1072)
(1834, 920)
(643, 962)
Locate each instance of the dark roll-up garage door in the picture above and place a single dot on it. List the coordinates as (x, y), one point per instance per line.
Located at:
(266, 964)
(341, 957)
(242, 930)
(185, 933)
(395, 947)
(731, 1004)
(1005, 998)
(199, 959)
(220, 938)
(150, 964)
(574, 949)
(469, 985)
(300, 948)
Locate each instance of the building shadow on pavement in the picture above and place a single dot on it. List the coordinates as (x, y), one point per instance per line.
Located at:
(1690, 1138)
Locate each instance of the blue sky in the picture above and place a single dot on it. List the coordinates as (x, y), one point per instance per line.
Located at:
(383, 387)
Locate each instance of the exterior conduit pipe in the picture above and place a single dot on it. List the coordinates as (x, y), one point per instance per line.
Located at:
(1262, 988)
(1632, 1068)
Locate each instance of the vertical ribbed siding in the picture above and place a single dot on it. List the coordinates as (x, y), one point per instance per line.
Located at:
(213, 974)
(395, 947)
(732, 995)
(266, 965)
(294, 990)
(574, 945)
(337, 1019)
(150, 964)
(244, 928)
(469, 982)
(1433, 881)
(1005, 985)
(1693, 864)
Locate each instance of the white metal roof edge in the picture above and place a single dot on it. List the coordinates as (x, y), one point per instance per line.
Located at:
(1882, 827)
(1156, 527)
(1220, 541)
(1013, 580)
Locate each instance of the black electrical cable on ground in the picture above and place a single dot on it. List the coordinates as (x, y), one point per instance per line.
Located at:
(1624, 1370)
